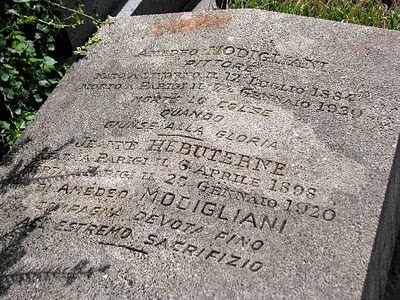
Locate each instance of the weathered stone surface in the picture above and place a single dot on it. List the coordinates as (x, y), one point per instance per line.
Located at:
(235, 154)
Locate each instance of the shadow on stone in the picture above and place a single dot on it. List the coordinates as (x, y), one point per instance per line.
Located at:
(12, 251)
(22, 173)
(393, 285)
(11, 243)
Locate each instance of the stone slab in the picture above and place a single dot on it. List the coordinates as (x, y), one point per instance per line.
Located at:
(205, 5)
(219, 155)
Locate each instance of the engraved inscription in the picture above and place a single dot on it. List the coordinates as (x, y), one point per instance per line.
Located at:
(219, 156)
(205, 156)
(205, 253)
(247, 140)
(214, 210)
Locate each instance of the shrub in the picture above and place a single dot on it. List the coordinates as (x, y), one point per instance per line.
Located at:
(29, 30)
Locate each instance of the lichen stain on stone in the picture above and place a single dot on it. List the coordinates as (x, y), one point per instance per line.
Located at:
(365, 46)
(189, 22)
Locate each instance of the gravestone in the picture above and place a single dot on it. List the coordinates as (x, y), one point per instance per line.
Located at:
(219, 155)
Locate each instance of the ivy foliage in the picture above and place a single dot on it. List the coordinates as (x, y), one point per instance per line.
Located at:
(30, 31)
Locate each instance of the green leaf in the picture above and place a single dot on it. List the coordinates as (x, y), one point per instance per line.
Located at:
(17, 85)
(44, 82)
(36, 60)
(20, 47)
(9, 93)
(38, 98)
(5, 77)
(30, 49)
(54, 81)
(20, 124)
(20, 38)
(49, 61)
(13, 136)
(79, 52)
(48, 64)
(42, 28)
(11, 50)
(94, 40)
(30, 19)
(5, 125)
(21, 1)
(30, 116)
(12, 12)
